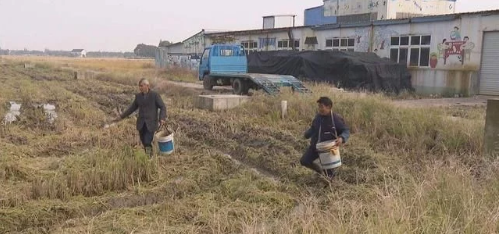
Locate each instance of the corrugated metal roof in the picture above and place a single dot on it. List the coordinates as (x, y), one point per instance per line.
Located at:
(256, 31)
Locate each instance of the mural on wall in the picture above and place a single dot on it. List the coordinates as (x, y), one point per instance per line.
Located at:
(362, 39)
(455, 46)
(381, 39)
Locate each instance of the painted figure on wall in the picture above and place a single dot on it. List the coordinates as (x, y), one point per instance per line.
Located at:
(455, 34)
(461, 48)
(467, 48)
(381, 37)
(433, 60)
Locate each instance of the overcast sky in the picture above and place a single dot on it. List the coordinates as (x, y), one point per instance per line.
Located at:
(119, 25)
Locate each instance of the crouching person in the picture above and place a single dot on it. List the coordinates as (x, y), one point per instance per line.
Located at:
(328, 126)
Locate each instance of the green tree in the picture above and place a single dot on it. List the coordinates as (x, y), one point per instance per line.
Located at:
(164, 43)
(143, 50)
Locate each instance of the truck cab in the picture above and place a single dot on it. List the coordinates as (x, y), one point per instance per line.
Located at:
(222, 59)
(219, 61)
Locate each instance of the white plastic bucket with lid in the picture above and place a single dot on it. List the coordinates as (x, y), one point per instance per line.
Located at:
(329, 155)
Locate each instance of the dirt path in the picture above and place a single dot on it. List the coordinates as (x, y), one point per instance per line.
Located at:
(197, 85)
(427, 102)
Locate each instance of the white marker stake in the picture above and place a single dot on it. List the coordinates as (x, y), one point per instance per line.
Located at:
(284, 107)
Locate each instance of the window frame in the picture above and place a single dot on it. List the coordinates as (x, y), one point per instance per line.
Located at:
(340, 44)
(410, 47)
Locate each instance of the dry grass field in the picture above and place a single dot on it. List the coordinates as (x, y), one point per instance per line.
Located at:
(405, 170)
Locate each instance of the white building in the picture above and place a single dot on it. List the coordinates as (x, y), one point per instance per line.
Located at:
(79, 53)
(443, 52)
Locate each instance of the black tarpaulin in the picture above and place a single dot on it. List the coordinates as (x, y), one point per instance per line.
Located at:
(348, 70)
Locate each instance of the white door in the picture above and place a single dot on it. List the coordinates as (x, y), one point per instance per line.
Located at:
(488, 75)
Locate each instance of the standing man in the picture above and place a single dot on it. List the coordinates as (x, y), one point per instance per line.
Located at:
(331, 125)
(148, 102)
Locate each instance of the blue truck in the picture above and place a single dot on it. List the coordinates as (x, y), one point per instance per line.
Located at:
(226, 65)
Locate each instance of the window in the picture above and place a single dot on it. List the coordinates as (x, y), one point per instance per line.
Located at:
(340, 44)
(266, 41)
(248, 45)
(286, 44)
(297, 44)
(283, 44)
(226, 52)
(205, 54)
(411, 50)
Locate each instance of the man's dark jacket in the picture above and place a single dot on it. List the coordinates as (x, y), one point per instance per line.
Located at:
(148, 105)
(327, 129)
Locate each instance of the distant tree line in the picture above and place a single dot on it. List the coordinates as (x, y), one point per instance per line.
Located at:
(149, 51)
(140, 51)
(99, 54)
(63, 53)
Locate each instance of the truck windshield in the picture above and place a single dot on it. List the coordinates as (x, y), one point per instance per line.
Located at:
(228, 51)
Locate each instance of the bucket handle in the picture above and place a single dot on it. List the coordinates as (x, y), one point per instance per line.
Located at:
(163, 127)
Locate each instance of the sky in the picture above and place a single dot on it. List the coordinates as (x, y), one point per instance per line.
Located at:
(119, 25)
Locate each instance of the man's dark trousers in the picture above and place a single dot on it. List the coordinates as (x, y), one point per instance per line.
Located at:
(308, 158)
(146, 136)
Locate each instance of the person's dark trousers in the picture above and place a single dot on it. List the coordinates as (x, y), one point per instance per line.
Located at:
(146, 139)
(308, 158)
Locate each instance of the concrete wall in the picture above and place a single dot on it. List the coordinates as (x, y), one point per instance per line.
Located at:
(491, 128)
(388, 9)
(420, 7)
(448, 83)
(349, 7)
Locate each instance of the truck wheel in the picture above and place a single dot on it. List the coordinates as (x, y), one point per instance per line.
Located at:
(240, 87)
(207, 82)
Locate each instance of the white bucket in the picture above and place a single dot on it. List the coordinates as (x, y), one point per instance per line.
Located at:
(329, 155)
(165, 142)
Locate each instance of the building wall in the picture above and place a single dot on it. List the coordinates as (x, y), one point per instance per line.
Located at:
(419, 7)
(388, 9)
(166, 60)
(350, 7)
(451, 63)
(177, 48)
(273, 42)
(195, 44)
(315, 16)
